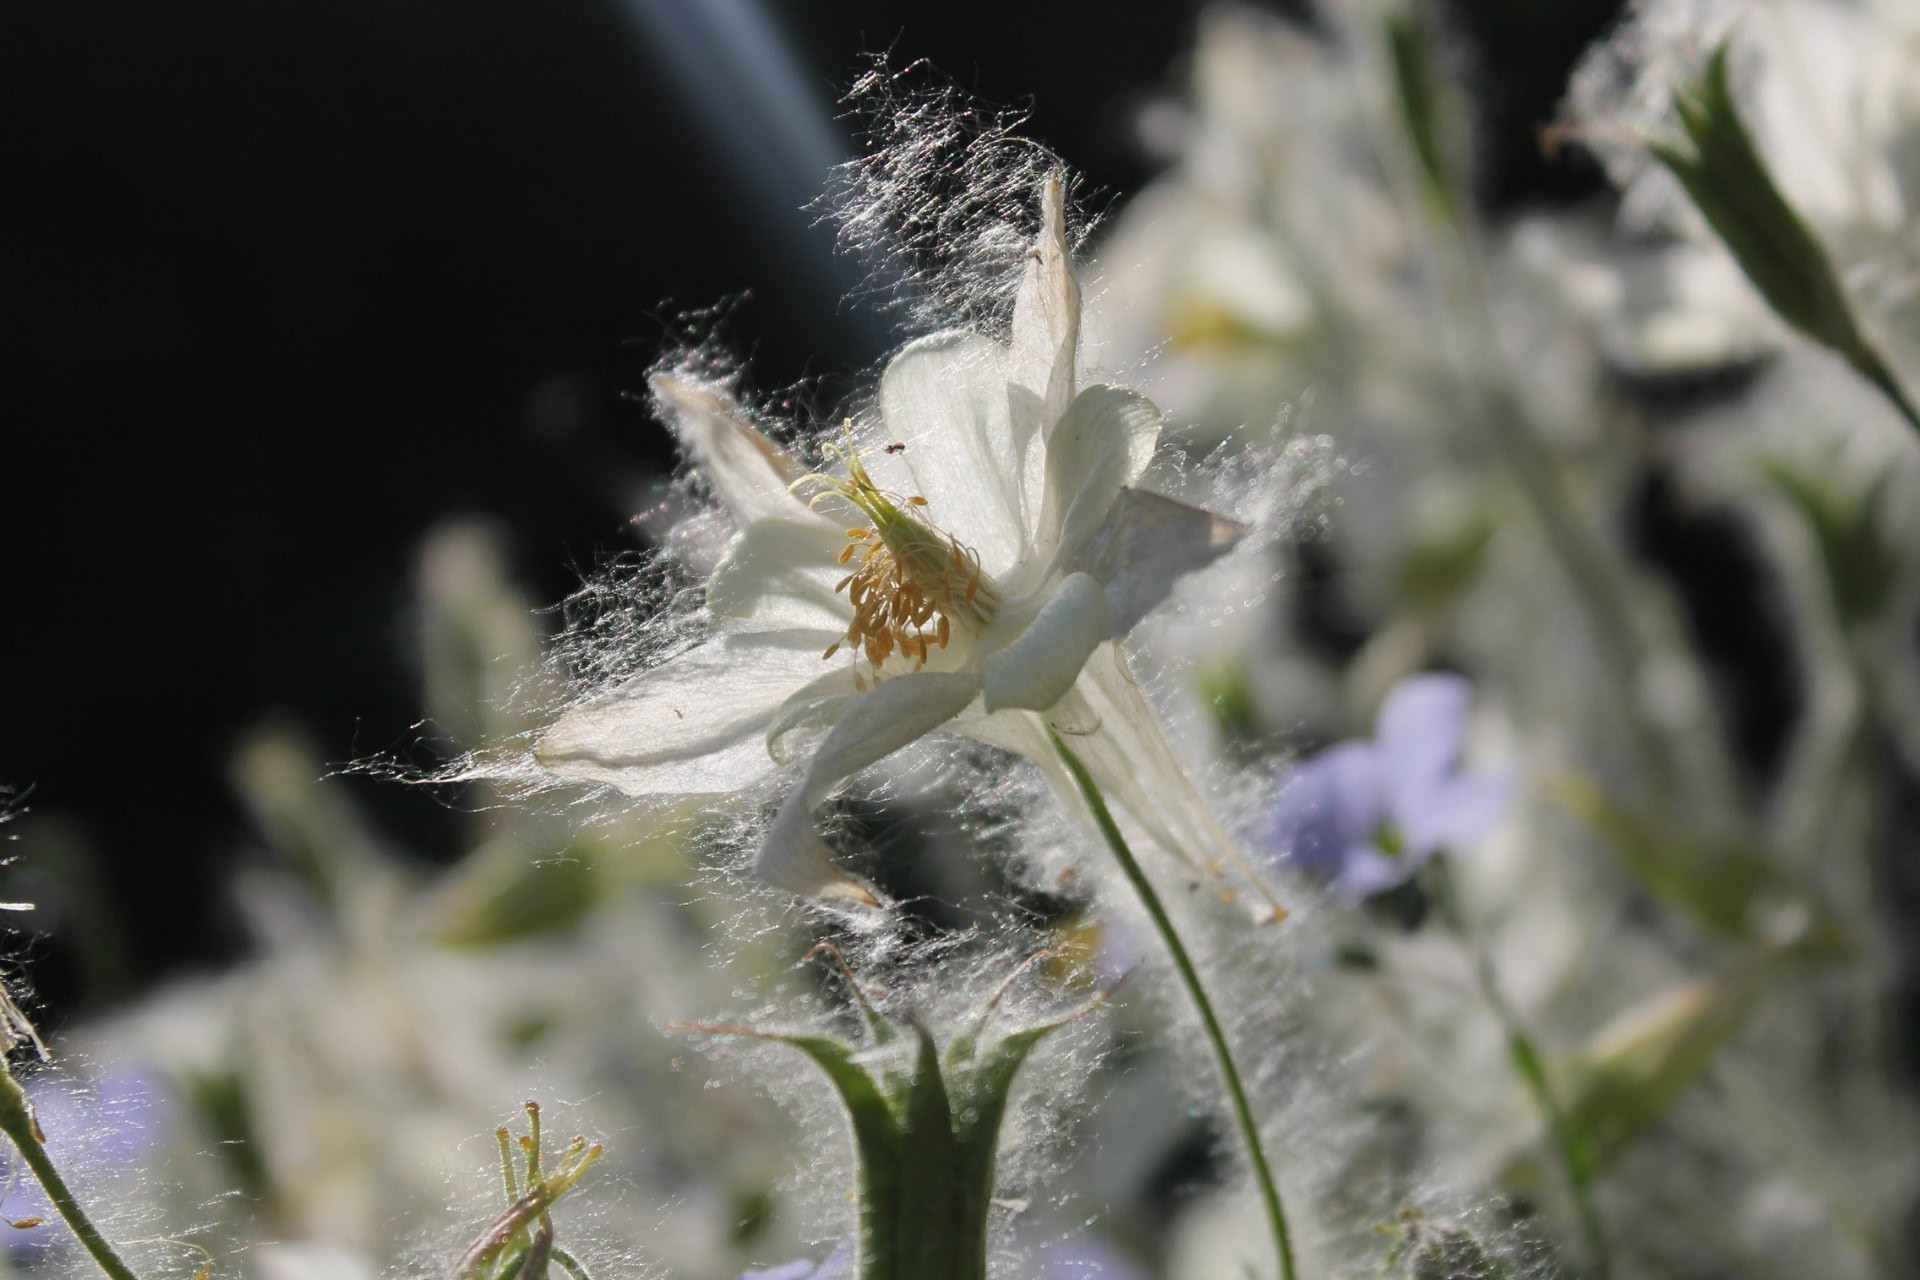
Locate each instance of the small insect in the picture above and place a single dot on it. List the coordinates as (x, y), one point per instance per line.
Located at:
(898, 446)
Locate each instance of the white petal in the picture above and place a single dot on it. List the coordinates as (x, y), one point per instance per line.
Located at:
(1104, 441)
(695, 724)
(816, 706)
(1134, 765)
(1131, 759)
(881, 722)
(1040, 665)
(1046, 324)
(1148, 543)
(782, 573)
(748, 472)
(945, 398)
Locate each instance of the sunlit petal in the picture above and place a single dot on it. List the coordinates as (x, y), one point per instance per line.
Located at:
(945, 399)
(749, 473)
(1038, 667)
(1145, 545)
(879, 723)
(693, 725)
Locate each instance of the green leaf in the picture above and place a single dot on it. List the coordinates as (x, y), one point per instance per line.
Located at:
(1860, 566)
(1429, 113)
(1627, 1078)
(1735, 890)
(1728, 181)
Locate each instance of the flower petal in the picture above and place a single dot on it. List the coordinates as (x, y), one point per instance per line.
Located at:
(748, 472)
(1329, 804)
(1456, 815)
(693, 725)
(1104, 441)
(1046, 325)
(1040, 665)
(818, 705)
(880, 722)
(1131, 759)
(1365, 871)
(1145, 545)
(781, 573)
(1421, 729)
(945, 398)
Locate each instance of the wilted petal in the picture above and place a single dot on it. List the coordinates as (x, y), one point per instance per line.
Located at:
(1146, 544)
(1102, 443)
(1329, 805)
(1040, 665)
(880, 722)
(945, 399)
(1046, 325)
(782, 573)
(1421, 730)
(748, 472)
(692, 725)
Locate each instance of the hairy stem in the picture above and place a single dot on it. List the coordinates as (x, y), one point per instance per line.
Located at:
(17, 1122)
(1190, 978)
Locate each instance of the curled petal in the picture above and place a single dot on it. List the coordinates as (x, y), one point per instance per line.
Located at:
(1039, 666)
(1145, 545)
(690, 726)
(1103, 442)
(879, 722)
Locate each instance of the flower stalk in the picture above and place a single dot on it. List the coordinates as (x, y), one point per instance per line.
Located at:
(1190, 978)
(1569, 1146)
(18, 1123)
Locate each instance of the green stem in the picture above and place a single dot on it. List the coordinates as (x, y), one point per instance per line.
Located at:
(1190, 978)
(1531, 1068)
(16, 1121)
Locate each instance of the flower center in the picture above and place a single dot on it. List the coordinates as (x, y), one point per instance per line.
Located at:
(913, 583)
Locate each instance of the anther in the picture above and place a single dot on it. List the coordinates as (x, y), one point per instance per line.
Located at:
(846, 554)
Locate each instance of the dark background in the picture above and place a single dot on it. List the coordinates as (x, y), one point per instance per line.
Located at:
(285, 284)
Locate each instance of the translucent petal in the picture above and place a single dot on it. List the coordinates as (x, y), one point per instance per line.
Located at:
(1131, 759)
(1038, 667)
(695, 724)
(1145, 545)
(1103, 442)
(945, 399)
(782, 573)
(748, 472)
(1046, 325)
(879, 723)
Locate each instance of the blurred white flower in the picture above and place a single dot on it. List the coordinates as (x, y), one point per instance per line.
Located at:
(966, 560)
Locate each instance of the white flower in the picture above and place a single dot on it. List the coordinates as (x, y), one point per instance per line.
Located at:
(966, 562)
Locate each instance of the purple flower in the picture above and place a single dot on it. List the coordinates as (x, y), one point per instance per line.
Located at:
(111, 1123)
(835, 1266)
(1365, 816)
